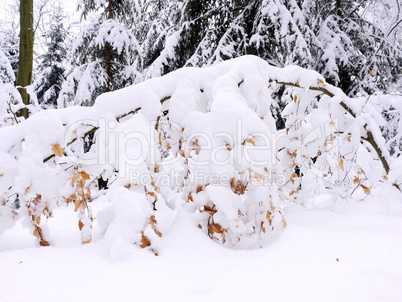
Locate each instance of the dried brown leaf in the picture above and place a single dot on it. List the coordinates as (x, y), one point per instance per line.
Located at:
(144, 241)
(160, 139)
(198, 189)
(196, 146)
(77, 203)
(257, 177)
(262, 227)
(81, 183)
(233, 183)
(366, 190)
(210, 210)
(74, 178)
(284, 224)
(216, 228)
(85, 175)
(57, 150)
(341, 164)
(27, 190)
(151, 194)
(240, 188)
(38, 232)
(250, 141)
(44, 243)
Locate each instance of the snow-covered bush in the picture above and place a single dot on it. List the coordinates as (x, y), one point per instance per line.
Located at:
(201, 141)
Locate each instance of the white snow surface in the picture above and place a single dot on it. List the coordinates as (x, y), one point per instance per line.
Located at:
(343, 252)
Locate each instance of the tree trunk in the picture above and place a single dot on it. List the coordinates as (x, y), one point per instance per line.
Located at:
(109, 52)
(24, 77)
(338, 8)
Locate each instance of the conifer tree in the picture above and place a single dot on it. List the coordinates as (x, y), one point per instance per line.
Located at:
(11, 51)
(329, 36)
(105, 53)
(356, 54)
(6, 69)
(159, 20)
(52, 63)
(10, 99)
(180, 34)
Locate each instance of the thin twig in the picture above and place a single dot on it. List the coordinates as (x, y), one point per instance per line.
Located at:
(13, 113)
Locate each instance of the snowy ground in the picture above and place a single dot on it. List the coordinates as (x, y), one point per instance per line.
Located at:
(343, 252)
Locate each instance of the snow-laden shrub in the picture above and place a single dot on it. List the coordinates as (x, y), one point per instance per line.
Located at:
(202, 141)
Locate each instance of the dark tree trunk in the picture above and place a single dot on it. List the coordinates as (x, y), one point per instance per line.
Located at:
(24, 77)
(338, 7)
(109, 51)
